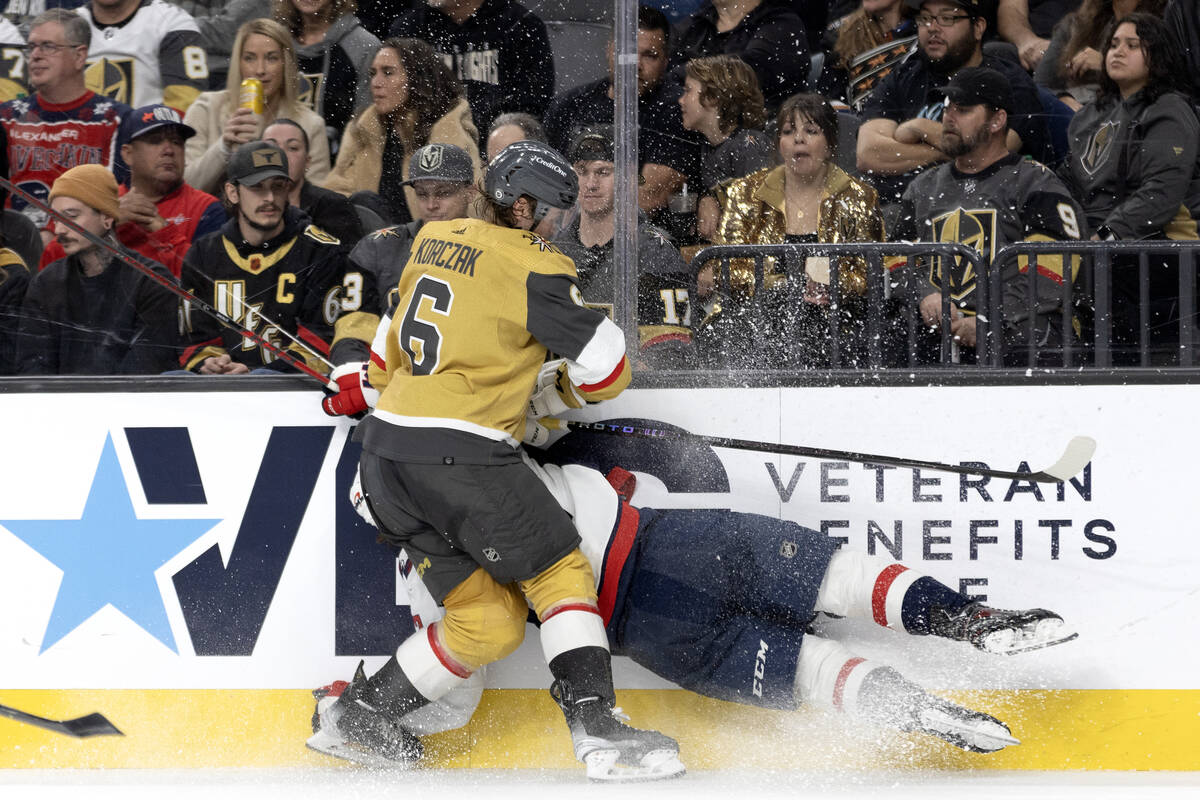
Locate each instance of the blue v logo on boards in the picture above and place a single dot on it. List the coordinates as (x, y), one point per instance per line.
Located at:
(109, 556)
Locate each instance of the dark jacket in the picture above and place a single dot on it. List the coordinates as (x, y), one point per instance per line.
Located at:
(119, 322)
(1133, 165)
(332, 212)
(914, 89)
(771, 39)
(501, 53)
(1183, 21)
(14, 281)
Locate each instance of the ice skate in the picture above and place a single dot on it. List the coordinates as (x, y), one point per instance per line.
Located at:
(961, 727)
(995, 630)
(613, 751)
(345, 727)
(888, 698)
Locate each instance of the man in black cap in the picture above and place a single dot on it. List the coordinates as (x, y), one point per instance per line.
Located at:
(901, 131)
(987, 197)
(268, 269)
(666, 288)
(441, 176)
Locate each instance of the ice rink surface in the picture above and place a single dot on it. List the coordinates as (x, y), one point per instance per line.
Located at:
(353, 784)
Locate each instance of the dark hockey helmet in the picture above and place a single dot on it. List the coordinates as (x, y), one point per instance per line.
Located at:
(533, 169)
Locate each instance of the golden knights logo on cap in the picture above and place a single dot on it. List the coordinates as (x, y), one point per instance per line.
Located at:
(431, 157)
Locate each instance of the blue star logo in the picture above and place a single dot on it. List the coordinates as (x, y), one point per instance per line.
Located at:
(109, 556)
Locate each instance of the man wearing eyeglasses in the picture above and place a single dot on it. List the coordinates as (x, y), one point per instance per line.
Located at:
(902, 131)
(61, 124)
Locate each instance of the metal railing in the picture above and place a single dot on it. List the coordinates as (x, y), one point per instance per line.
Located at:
(878, 323)
(888, 332)
(1102, 263)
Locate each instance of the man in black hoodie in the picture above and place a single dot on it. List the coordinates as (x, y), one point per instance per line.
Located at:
(268, 269)
(86, 313)
(498, 48)
(766, 34)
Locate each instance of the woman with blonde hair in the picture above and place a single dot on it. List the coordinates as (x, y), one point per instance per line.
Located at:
(262, 50)
(416, 100)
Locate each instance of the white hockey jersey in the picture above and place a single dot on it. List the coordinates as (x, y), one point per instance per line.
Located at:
(155, 56)
(12, 61)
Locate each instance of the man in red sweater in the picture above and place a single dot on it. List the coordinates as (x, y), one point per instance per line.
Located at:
(160, 214)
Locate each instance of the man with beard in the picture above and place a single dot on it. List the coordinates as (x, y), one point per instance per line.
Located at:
(987, 197)
(273, 273)
(160, 214)
(335, 211)
(901, 132)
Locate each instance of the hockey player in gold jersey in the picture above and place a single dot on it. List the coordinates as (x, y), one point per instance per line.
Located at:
(458, 364)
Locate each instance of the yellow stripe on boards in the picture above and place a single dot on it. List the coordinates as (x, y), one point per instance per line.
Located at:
(523, 729)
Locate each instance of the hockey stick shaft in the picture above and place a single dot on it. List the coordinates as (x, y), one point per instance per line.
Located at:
(176, 289)
(80, 727)
(1077, 455)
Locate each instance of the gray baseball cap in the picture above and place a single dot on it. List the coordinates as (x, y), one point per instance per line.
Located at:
(440, 162)
(254, 162)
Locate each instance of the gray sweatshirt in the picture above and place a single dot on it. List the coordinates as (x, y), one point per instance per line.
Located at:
(1134, 165)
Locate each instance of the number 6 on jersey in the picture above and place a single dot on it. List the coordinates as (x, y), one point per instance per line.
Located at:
(422, 338)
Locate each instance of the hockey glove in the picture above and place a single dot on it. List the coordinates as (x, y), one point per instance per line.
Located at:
(539, 432)
(553, 393)
(355, 395)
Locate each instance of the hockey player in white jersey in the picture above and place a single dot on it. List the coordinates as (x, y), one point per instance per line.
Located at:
(145, 52)
(743, 590)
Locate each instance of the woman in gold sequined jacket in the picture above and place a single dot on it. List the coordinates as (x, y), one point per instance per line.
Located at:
(806, 199)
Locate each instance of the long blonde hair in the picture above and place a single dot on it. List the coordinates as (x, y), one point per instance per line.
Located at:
(274, 31)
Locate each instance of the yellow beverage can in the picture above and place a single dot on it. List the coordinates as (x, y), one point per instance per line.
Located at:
(251, 95)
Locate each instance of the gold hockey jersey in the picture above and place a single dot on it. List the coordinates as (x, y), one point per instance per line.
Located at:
(479, 307)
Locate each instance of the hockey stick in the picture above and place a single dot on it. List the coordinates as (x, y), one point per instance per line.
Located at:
(174, 288)
(80, 727)
(1073, 460)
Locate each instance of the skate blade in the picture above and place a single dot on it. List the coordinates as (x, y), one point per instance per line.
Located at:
(982, 737)
(322, 742)
(1045, 633)
(602, 767)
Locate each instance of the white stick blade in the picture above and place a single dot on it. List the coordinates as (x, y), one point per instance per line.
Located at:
(1077, 455)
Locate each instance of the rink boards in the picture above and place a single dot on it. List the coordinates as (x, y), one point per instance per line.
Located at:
(186, 564)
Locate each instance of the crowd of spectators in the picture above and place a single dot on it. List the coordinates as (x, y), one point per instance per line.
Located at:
(760, 122)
